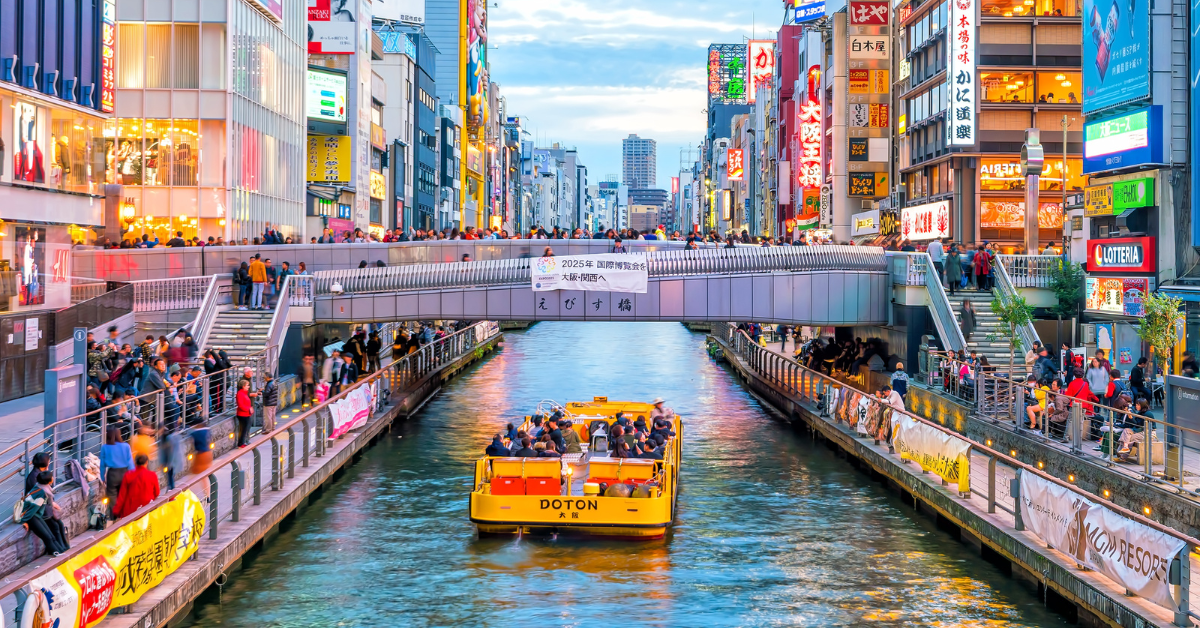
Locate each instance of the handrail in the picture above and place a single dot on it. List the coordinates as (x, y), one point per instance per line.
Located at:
(407, 368)
(279, 325)
(1028, 271)
(919, 270)
(729, 333)
(176, 293)
(659, 264)
(1026, 333)
(201, 326)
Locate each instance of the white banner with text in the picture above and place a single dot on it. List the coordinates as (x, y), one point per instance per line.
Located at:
(606, 272)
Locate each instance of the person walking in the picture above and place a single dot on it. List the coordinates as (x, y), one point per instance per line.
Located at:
(937, 254)
(374, 345)
(270, 402)
(953, 269)
(138, 488)
(242, 286)
(116, 459)
(968, 320)
(308, 379)
(983, 268)
(258, 279)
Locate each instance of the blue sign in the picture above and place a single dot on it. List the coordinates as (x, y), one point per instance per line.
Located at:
(1116, 53)
(809, 11)
(1124, 141)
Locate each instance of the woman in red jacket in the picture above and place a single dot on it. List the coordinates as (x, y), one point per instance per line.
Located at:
(138, 488)
(245, 409)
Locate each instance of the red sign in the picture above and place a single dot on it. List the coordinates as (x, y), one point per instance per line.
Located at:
(1122, 255)
(869, 13)
(733, 164)
(808, 161)
(905, 13)
(97, 581)
(674, 185)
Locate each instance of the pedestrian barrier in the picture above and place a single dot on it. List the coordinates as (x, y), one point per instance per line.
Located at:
(1104, 535)
(241, 477)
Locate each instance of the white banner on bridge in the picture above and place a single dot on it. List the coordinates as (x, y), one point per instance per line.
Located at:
(606, 272)
(1129, 553)
(932, 449)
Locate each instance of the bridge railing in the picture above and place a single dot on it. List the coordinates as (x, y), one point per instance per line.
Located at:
(849, 406)
(240, 478)
(660, 264)
(1029, 271)
(1006, 292)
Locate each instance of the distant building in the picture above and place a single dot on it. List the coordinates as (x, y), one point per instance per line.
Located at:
(644, 218)
(639, 162)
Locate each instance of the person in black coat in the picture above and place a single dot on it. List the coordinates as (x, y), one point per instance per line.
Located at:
(497, 447)
(373, 347)
(525, 450)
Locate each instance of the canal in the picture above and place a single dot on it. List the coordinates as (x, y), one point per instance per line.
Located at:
(772, 528)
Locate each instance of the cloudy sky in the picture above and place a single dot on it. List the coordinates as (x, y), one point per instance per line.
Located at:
(587, 74)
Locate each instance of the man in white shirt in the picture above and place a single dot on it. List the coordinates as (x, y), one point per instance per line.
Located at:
(938, 256)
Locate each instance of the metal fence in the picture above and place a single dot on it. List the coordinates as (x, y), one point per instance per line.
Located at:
(660, 264)
(1029, 271)
(917, 269)
(116, 301)
(824, 392)
(241, 477)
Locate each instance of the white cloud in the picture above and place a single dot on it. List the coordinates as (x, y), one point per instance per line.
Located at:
(589, 23)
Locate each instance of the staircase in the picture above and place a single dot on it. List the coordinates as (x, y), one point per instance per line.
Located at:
(240, 332)
(986, 323)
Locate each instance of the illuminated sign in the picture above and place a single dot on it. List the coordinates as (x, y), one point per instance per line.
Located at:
(1111, 199)
(866, 223)
(808, 10)
(1129, 140)
(869, 12)
(961, 75)
(378, 186)
(870, 184)
(326, 96)
(733, 164)
(674, 185)
(1117, 295)
(329, 158)
(1011, 215)
(809, 140)
(902, 124)
(377, 137)
(108, 51)
(727, 71)
(925, 222)
(762, 66)
(1121, 254)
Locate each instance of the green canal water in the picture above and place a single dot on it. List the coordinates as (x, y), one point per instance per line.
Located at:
(772, 528)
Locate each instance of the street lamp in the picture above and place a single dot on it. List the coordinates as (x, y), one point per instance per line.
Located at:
(128, 212)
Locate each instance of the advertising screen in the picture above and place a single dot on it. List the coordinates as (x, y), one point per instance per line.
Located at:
(1116, 53)
(326, 96)
(1123, 141)
(1117, 295)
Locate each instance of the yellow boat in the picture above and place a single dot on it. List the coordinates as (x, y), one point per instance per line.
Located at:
(559, 495)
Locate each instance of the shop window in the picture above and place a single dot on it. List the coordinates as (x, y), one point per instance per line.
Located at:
(131, 55)
(185, 151)
(71, 143)
(1052, 175)
(1030, 8)
(1007, 87)
(127, 152)
(1062, 88)
(1000, 174)
(159, 154)
(158, 55)
(212, 44)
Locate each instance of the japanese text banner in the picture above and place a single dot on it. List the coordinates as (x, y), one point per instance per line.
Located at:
(118, 570)
(607, 272)
(932, 449)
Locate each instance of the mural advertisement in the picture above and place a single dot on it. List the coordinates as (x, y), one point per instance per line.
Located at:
(477, 67)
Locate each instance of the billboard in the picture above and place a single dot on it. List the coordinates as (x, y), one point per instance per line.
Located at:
(326, 98)
(1117, 295)
(810, 141)
(1116, 53)
(1011, 215)
(869, 12)
(1123, 141)
(1136, 255)
(108, 56)
(727, 67)
(329, 158)
(331, 27)
(762, 66)
(925, 222)
(273, 8)
(477, 65)
(733, 164)
(963, 92)
(405, 11)
(808, 10)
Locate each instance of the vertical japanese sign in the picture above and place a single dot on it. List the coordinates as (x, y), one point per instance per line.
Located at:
(733, 164)
(727, 73)
(808, 170)
(108, 51)
(762, 67)
(869, 119)
(963, 95)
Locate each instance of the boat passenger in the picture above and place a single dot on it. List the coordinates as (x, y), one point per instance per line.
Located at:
(640, 426)
(537, 426)
(651, 451)
(662, 426)
(525, 450)
(570, 438)
(497, 447)
(546, 452)
(555, 435)
(659, 410)
(510, 432)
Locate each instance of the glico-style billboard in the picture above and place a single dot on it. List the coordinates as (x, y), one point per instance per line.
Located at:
(1116, 53)
(1132, 139)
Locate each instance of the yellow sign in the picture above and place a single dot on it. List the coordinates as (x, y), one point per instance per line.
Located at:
(377, 137)
(329, 158)
(378, 186)
(1098, 200)
(122, 567)
(902, 125)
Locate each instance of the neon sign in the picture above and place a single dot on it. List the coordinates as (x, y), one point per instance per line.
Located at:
(108, 51)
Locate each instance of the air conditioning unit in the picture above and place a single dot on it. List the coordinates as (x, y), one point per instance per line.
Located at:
(1089, 333)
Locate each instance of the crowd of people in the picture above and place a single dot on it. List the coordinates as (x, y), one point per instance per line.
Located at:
(555, 435)
(963, 266)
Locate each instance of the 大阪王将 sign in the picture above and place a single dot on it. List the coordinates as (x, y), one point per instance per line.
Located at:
(1121, 255)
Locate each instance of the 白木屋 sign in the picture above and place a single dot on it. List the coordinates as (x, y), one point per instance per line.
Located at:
(607, 272)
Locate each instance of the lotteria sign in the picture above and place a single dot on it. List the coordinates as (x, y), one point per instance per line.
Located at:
(1123, 141)
(1121, 255)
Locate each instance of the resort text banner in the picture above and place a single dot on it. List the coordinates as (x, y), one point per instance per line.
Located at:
(124, 566)
(933, 449)
(607, 272)
(1129, 553)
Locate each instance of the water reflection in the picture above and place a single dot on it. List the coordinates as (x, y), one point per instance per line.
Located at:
(772, 528)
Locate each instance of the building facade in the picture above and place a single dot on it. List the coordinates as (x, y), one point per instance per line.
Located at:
(639, 162)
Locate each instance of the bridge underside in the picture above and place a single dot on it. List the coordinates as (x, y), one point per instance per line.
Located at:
(826, 298)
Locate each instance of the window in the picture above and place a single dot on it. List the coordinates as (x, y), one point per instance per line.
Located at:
(158, 55)
(131, 55)
(159, 156)
(1007, 86)
(212, 70)
(1030, 8)
(1052, 174)
(1059, 87)
(185, 50)
(126, 152)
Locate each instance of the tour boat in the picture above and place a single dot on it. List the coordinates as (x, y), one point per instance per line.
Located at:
(567, 495)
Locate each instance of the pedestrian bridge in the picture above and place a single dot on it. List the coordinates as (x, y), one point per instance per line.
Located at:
(823, 285)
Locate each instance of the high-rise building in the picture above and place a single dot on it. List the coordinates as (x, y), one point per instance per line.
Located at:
(639, 162)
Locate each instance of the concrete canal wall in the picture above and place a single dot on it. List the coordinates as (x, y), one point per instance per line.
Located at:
(218, 559)
(1080, 595)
